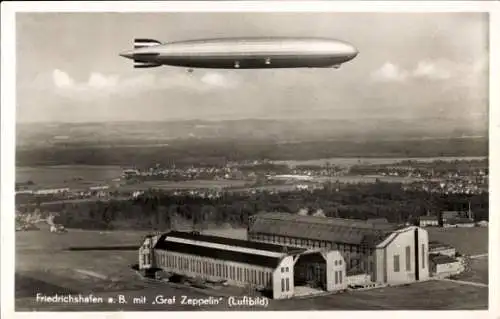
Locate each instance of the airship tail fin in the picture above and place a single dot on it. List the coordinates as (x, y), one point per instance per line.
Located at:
(143, 43)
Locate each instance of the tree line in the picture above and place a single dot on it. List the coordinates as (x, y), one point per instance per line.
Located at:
(159, 210)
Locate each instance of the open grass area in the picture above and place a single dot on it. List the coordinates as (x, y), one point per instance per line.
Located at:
(84, 176)
(366, 179)
(478, 272)
(432, 295)
(55, 176)
(192, 184)
(350, 161)
(469, 241)
(43, 265)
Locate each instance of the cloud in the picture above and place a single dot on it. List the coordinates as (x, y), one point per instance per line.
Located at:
(429, 70)
(218, 80)
(99, 84)
(61, 79)
(439, 70)
(97, 80)
(389, 73)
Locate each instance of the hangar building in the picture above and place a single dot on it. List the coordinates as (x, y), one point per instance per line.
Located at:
(388, 253)
(274, 268)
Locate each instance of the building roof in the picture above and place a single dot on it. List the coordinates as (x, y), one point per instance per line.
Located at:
(458, 220)
(434, 245)
(355, 271)
(234, 242)
(215, 253)
(453, 214)
(441, 259)
(242, 251)
(349, 231)
(429, 218)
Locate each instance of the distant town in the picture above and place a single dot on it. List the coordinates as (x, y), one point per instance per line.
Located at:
(440, 177)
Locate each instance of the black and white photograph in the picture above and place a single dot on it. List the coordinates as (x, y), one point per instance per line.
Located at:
(260, 158)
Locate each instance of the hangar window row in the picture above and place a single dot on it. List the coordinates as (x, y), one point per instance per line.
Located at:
(237, 273)
(311, 243)
(293, 241)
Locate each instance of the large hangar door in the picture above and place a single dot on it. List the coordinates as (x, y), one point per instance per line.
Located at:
(310, 270)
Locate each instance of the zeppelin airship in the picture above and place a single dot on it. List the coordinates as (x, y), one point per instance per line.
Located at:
(242, 53)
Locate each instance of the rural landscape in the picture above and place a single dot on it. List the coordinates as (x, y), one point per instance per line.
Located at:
(279, 161)
(116, 201)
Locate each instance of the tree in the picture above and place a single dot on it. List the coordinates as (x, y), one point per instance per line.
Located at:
(164, 218)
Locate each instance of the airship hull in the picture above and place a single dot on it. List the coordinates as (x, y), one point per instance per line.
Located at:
(244, 53)
(253, 62)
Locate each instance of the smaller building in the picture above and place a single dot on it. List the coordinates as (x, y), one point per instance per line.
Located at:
(99, 187)
(444, 266)
(457, 219)
(358, 278)
(463, 222)
(482, 223)
(52, 191)
(426, 221)
(438, 248)
(25, 192)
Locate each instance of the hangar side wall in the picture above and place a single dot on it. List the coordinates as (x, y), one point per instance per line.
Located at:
(380, 271)
(238, 274)
(424, 254)
(354, 255)
(399, 259)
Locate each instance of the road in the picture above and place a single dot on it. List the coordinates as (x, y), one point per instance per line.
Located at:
(76, 201)
(476, 284)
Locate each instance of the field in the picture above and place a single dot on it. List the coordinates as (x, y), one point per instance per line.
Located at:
(43, 265)
(355, 179)
(469, 241)
(64, 175)
(57, 175)
(193, 184)
(350, 161)
(478, 272)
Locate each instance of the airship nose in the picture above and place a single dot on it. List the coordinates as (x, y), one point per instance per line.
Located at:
(352, 52)
(127, 54)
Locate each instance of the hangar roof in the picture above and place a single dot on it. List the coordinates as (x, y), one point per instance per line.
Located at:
(242, 251)
(233, 242)
(348, 231)
(221, 254)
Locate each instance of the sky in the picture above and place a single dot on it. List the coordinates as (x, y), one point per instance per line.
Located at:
(410, 66)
